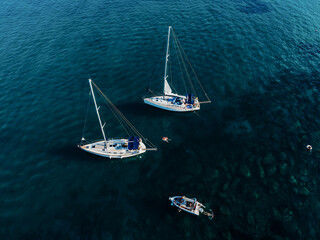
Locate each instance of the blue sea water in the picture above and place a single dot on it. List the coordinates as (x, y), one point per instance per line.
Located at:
(244, 155)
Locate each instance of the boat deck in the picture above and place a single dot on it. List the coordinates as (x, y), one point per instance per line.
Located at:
(117, 148)
(167, 103)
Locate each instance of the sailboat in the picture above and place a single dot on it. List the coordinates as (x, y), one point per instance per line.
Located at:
(190, 205)
(168, 100)
(114, 148)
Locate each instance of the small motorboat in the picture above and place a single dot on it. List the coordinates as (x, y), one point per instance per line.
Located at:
(190, 205)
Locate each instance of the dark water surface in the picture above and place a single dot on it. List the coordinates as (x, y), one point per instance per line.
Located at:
(244, 155)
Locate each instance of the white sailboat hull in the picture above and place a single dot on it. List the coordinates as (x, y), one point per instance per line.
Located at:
(164, 102)
(117, 148)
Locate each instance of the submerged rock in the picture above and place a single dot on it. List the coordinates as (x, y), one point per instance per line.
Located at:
(256, 195)
(185, 179)
(245, 171)
(261, 172)
(293, 180)
(304, 178)
(227, 235)
(287, 215)
(265, 134)
(276, 214)
(214, 187)
(224, 196)
(235, 183)
(252, 159)
(271, 170)
(268, 160)
(276, 237)
(297, 124)
(226, 186)
(283, 168)
(260, 220)
(283, 156)
(304, 191)
(292, 146)
(215, 173)
(209, 232)
(250, 218)
(274, 188)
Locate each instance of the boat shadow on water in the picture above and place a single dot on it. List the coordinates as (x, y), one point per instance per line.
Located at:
(73, 153)
(143, 110)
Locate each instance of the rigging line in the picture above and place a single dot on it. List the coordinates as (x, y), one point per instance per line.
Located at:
(153, 93)
(184, 81)
(106, 130)
(182, 58)
(124, 118)
(188, 76)
(150, 144)
(130, 125)
(198, 115)
(193, 70)
(155, 66)
(186, 69)
(120, 114)
(113, 109)
(105, 123)
(114, 113)
(85, 121)
(117, 117)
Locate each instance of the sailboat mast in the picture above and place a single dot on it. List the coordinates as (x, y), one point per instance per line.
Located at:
(97, 110)
(167, 59)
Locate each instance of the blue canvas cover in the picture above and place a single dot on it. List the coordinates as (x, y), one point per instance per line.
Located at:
(133, 143)
(136, 142)
(130, 143)
(190, 98)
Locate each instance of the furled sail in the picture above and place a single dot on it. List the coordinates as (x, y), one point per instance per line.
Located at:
(167, 88)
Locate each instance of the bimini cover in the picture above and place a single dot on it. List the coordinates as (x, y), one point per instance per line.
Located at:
(130, 143)
(133, 143)
(136, 142)
(190, 98)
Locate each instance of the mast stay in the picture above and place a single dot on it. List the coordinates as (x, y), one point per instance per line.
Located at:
(184, 56)
(97, 110)
(85, 121)
(128, 127)
(188, 74)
